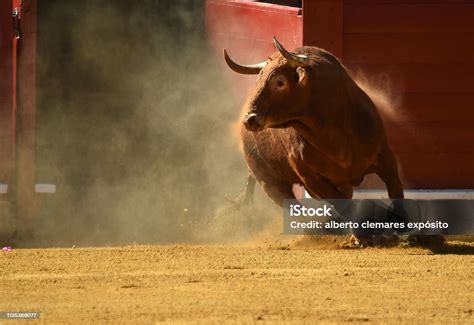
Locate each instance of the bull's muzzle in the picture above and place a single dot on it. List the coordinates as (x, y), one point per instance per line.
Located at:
(253, 122)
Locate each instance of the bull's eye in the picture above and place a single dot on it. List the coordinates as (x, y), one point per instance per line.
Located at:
(279, 82)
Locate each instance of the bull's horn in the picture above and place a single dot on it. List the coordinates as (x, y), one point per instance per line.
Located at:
(244, 69)
(295, 60)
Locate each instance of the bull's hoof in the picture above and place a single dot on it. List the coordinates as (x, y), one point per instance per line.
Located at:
(370, 241)
(386, 240)
(355, 242)
(424, 240)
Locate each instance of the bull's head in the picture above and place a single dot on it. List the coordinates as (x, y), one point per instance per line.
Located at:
(281, 89)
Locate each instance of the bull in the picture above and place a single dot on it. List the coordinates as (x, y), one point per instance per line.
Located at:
(307, 122)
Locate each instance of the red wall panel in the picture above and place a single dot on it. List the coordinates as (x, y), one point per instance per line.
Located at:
(423, 51)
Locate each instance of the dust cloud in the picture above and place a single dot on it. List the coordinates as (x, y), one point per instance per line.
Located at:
(388, 99)
(135, 127)
(383, 93)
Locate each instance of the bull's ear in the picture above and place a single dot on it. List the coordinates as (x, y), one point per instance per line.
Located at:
(302, 75)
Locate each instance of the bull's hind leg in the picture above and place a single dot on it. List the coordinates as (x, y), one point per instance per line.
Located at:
(249, 190)
(246, 196)
(279, 192)
(387, 170)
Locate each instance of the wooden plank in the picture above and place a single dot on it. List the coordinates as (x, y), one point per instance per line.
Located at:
(437, 170)
(431, 139)
(421, 78)
(430, 171)
(408, 48)
(377, 17)
(322, 24)
(433, 108)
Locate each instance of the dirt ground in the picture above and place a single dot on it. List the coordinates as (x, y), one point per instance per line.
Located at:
(269, 283)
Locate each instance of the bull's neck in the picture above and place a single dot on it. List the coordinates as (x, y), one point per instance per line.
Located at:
(325, 133)
(323, 127)
(325, 123)
(308, 130)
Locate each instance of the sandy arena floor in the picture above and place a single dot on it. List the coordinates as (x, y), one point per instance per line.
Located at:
(240, 284)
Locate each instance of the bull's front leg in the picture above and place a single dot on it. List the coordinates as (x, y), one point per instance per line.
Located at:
(318, 186)
(315, 184)
(387, 170)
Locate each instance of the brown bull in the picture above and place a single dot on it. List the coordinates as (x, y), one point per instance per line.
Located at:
(307, 122)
